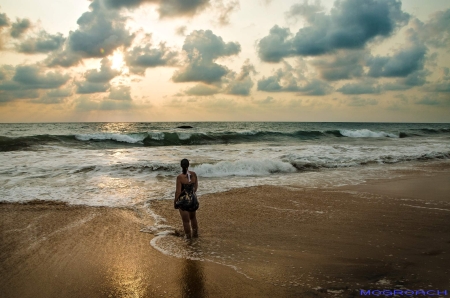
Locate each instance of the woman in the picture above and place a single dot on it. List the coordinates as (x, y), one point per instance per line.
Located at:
(187, 184)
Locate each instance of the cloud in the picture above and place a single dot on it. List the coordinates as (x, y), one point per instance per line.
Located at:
(140, 58)
(343, 66)
(275, 46)
(442, 85)
(351, 24)
(97, 80)
(241, 84)
(4, 20)
(407, 65)
(120, 93)
(181, 30)
(167, 8)
(436, 32)
(175, 8)
(265, 101)
(305, 10)
(11, 95)
(402, 64)
(428, 101)
(33, 77)
(100, 32)
(360, 88)
(88, 87)
(202, 90)
(200, 71)
(361, 102)
(208, 45)
(43, 43)
(289, 79)
(85, 104)
(27, 81)
(54, 96)
(225, 10)
(202, 48)
(20, 27)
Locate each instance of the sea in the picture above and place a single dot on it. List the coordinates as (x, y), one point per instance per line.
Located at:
(129, 164)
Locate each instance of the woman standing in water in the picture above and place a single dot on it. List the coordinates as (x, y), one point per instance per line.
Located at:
(186, 199)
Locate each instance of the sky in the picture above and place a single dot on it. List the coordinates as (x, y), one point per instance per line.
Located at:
(224, 60)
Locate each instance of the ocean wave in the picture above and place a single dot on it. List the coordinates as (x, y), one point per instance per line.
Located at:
(181, 138)
(307, 163)
(125, 138)
(366, 133)
(249, 167)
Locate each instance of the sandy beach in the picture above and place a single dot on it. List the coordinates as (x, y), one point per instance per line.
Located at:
(254, 242)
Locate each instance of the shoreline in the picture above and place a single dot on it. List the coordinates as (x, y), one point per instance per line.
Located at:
(285, 241)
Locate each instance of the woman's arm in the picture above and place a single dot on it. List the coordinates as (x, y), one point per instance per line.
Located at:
(196, 182)
(177, 191)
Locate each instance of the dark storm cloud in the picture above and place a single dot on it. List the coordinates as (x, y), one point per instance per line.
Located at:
(292, 80)
(43, 43)
(167, 8)
(202, 48)
(242, 83)
(4, 20)
(350, 25)
(100, 32)
(97, 80)
(140, 58)
(120, 93)
(344, 66)
(360, 88)
(20, 27)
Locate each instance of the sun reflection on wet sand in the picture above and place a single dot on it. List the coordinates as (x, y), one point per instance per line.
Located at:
(127, 279)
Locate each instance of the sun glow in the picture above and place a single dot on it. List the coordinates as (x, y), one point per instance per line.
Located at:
(117, 61)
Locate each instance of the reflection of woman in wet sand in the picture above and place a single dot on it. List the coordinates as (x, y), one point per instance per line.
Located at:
(187, 184)
(192, 281)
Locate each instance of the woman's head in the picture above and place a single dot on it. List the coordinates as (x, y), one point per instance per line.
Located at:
(185, 165)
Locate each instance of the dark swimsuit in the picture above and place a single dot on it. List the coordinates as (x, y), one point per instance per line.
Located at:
(188, 189)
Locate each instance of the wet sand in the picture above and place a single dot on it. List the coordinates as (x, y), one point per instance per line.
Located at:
(254, 242)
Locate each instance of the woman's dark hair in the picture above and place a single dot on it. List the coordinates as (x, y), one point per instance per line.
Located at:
(185, 165)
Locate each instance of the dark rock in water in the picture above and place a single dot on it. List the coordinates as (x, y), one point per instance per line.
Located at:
(184, 126)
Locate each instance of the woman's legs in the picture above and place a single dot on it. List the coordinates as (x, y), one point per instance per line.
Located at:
(186, 225)
(187, 216)
(193, 224)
